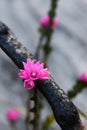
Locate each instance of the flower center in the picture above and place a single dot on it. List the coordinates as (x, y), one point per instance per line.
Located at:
(33, 74)
(28, 83)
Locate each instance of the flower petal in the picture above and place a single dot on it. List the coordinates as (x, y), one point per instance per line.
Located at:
(29, 84)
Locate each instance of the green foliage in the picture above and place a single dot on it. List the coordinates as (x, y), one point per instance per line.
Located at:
(77, 88)
(82, 113)
(48, 122)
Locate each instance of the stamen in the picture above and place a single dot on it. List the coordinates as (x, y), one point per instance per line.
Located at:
(28, 82)
(33, 74)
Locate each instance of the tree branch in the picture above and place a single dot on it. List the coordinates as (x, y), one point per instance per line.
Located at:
(64, 110)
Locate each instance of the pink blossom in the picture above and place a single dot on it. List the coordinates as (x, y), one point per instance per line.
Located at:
(12, 115)
(45, 22)
(83, 77)
(28, 84)
(33, 71)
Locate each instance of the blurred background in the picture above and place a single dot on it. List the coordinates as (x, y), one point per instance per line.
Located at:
(66, 62)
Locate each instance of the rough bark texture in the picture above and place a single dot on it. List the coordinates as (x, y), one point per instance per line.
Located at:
(64, 110)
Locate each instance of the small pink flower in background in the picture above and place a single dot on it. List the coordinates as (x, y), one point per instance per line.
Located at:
(83, 77)
(45, 22)
(33, 71)
(12, 115)
(84, 124)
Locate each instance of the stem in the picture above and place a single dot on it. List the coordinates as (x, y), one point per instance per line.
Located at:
(27, 112)
(39, 47)
(36, 113)
(47, 48)
(13, 126)
(82, 113)
(47, 33)
(77, 88)
(35, 120)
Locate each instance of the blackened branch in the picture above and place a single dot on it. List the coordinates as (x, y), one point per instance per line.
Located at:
(64, 110)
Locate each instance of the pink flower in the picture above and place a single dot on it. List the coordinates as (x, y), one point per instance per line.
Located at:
(33, 71)
(12, 115)
(45, 22)
(83, 77)
(28, 84)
